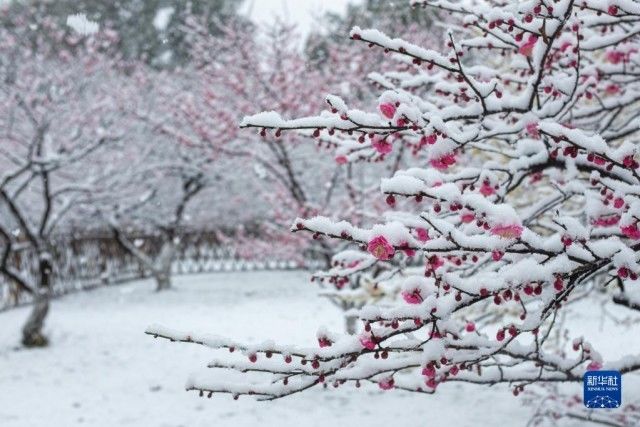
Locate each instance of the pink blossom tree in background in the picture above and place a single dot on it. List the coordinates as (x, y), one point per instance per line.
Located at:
(150, 193)
(57, 114)
(241, 73)
(181, 168)
(526, 202)
(155, 180)
(245, 71)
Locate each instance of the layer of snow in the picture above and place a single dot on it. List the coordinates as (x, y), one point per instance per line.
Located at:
(101, 370)
(162, 18)
(81, 25)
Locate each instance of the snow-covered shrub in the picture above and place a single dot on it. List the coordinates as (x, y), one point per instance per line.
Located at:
(528, 198)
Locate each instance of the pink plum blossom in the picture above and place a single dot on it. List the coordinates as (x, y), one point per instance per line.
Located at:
(615, 56)
(404, 246)
(444, 162)
(368, 342)
(630, 162)
(631, 231)
(606, 221)
(341, 160)
(380, 248)
(388, 110)
(594, 366)
(487, 189)
(512, 231)
(467, 217)
(435, 262)
(532, 130)
(412, 297)
(324, 342)
(386, 383)
(429, 371)
(423, 235)
(381, 145)
(526, 48)
(612, 89)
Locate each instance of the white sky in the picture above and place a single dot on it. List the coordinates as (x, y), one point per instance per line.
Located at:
(301, 12)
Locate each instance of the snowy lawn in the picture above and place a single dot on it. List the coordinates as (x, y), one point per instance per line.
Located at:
(101, 370)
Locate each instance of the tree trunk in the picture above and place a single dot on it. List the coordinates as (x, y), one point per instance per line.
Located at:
(163, 266)
(351, 324)
(163, 281)
(32, 335)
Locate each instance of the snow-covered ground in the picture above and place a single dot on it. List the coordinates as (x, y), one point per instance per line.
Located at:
(101, 370)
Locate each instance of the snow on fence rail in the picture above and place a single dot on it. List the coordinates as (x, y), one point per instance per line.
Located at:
(88, 263)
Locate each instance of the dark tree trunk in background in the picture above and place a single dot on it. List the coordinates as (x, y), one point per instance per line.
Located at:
(162, 270)
(163, 281)
(32, 335)
(351, 324)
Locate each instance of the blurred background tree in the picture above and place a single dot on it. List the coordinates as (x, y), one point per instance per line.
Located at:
(148, 30)
(398, 20)
(373, 12)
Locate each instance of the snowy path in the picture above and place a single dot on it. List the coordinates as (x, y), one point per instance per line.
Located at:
(103, 371)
